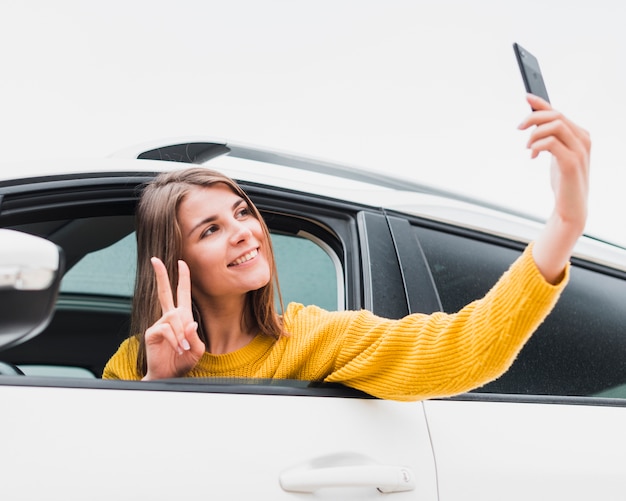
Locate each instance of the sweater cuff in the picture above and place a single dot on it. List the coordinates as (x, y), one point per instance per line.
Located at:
(530, 269)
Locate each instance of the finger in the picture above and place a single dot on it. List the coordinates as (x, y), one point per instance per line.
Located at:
(176, 321)
(164, 290)
(183, 291)
(561, 130)
(194, 343)
(549, 114)
(552, 123)
(181, 332)
(537, 103)
(568, 159)
(544, 117)
(159, 333)
(549, 144)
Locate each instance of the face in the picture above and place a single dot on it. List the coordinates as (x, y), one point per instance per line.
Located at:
(223, 243)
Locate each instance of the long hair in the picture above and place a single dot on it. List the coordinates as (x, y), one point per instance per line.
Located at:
(159, 234)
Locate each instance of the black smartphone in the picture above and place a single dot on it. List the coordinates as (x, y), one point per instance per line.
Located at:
(531, 74)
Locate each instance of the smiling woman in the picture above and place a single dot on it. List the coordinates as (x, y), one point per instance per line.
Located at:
(206, 220)
(206, 308)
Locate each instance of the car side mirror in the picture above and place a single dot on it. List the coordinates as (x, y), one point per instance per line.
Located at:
(31, 269)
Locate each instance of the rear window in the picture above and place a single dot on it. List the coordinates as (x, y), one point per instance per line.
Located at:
(579, 350)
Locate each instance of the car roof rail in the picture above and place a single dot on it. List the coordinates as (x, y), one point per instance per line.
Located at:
(198, 151)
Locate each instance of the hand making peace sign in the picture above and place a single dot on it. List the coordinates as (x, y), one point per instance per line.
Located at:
(173, 347)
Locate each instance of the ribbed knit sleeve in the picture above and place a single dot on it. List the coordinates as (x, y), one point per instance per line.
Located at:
(426, 356)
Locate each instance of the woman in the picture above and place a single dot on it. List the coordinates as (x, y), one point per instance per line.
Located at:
(214, 250)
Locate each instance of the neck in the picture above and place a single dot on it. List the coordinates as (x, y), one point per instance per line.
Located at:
(226, 325)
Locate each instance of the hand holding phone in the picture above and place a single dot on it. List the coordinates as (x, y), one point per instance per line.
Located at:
(531, 73)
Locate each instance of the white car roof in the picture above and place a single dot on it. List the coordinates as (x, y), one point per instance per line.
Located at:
(322, 178)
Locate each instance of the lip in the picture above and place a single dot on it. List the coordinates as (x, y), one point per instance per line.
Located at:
(244, 258)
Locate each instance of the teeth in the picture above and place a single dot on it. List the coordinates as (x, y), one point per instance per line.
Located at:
(245, 257)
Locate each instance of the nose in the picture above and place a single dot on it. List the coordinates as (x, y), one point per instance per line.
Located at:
(240, 232)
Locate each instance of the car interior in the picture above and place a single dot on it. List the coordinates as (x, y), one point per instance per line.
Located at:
(92, 313)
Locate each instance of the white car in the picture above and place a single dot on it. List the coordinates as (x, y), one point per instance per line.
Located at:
(553, 427)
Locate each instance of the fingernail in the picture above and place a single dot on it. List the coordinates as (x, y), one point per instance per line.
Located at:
(186, 345)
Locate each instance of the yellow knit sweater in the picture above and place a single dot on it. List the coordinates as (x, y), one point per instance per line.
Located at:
(419, 356)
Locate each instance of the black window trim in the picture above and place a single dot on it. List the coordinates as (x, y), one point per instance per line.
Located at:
(538, 399)
(239, 386)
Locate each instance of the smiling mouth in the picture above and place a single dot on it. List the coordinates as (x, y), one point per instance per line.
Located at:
(245, 258)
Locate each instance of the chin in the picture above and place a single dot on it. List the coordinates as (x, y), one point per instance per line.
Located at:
(259, 284)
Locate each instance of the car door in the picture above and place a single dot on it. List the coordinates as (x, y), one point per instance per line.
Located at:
(493, 448)
(105, 440)
(552, 427)
(85, 438)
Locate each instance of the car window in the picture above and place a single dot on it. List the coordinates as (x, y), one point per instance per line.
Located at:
(308, 271)
(109, 271)
(579, 350)
(92, 313)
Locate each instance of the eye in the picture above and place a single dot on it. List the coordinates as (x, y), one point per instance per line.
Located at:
(209, 231)
(243, 212)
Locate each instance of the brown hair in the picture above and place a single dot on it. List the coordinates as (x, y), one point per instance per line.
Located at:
(159, 234)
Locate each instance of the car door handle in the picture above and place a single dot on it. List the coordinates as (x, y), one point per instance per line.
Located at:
(346, 470)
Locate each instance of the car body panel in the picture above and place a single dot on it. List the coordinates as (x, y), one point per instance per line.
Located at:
(535, 449)
(129, 443)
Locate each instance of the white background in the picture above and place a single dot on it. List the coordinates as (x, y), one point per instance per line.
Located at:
(427, 89)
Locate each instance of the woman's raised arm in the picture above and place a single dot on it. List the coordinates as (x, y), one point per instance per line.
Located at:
(570, 147)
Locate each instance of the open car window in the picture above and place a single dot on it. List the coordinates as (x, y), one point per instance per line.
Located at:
(92, 313)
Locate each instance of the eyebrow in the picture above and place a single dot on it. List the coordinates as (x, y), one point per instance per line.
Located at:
(210, 219)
